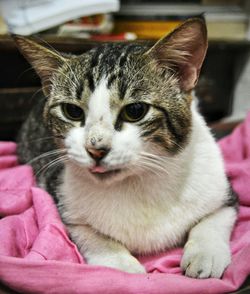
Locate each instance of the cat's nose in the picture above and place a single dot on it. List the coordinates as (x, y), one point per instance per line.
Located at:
(98, 154)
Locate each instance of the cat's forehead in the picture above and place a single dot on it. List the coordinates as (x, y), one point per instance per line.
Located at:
(114, 63)
(111, 55)
(126, 74)
(99, 103)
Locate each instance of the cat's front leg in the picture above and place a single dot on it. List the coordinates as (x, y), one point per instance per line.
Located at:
(98, 249)
(207, 252)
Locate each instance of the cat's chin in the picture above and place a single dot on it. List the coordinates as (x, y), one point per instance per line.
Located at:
(106, 175)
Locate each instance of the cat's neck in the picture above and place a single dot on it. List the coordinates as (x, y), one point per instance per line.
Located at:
(145, 186)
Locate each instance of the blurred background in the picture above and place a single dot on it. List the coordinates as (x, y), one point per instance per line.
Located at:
(78, 25)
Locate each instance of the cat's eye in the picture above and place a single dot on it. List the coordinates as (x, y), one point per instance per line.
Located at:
(134, 112)
(73, 112)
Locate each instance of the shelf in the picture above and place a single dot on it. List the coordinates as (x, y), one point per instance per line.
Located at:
(6, 42)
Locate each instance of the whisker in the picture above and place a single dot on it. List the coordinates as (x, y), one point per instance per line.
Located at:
(155, 166)
(154, 157)
(71, 81)
(147, 64)
(36, 140)
(165, 162)
(47, 154)
(176, 144)
(63, 57)
(152, 167)
(24, 72)
(35, 93)
(151, 170)
(51, 164)
(132, 170)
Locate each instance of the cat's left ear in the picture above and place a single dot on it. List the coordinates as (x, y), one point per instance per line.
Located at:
(182, 51)
(45, 61)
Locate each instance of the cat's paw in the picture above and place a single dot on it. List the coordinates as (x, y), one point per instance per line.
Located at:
(205, 260)
(123, 262)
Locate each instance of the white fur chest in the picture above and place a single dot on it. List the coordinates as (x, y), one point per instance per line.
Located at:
(155, 213)
(148, 218)
(132, 216)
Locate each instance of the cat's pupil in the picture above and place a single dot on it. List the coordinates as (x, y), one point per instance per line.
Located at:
(134, 112)
(72, 111)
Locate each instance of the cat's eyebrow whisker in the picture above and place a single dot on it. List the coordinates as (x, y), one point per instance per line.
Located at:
(41, 89)
(145, 65)
(166, 67)
(37, 91)
(25, 71)
(47, 154)
(59, 72)
(49, 45)
(74, 74)
(65, 59)
(135, 75)
(59, 54)
(74, 81)
(71, 81)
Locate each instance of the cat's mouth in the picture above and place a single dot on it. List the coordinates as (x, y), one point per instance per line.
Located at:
(102, 173)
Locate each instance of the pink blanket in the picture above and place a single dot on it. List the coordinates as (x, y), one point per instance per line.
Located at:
(36, 255)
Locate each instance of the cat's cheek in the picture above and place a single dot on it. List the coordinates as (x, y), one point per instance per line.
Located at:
(120, 159)
(126, 147)
(74, 143)
(128, 139)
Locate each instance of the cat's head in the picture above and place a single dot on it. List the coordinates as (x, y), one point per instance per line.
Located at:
(120, 108)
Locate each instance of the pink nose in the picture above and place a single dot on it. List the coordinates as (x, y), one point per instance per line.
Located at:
(97, 154)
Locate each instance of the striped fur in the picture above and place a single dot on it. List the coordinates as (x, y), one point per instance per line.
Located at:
(129, 79)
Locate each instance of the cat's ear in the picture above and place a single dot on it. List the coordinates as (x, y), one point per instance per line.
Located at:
(182, 51)
(45, 61)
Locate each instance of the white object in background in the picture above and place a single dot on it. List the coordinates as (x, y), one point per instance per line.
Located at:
(32, 16)
(241, 97)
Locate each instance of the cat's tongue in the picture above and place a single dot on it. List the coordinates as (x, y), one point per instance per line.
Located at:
(98, 169)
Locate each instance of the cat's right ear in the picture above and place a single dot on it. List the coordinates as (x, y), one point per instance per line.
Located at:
(45, 61)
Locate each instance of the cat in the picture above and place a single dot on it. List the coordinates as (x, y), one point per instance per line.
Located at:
(119, 142)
